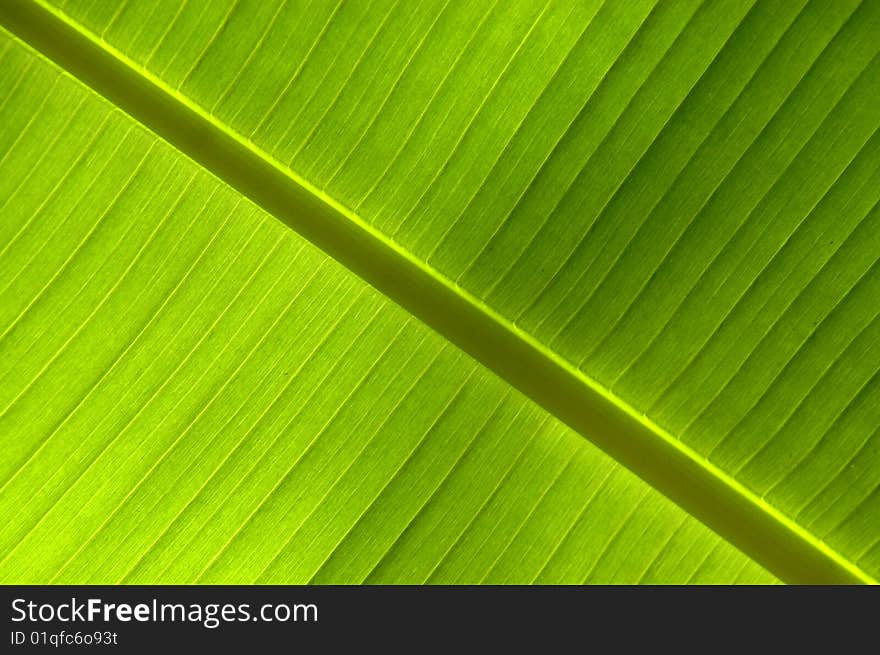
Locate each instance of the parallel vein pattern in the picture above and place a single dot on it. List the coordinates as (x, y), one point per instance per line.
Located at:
(192, 393)
(679, 198)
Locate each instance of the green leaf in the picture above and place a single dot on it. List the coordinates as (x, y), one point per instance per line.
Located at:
(658, 220)
(191, 392)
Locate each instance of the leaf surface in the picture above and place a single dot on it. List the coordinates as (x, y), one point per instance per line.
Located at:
(193, 393)
(673, 204)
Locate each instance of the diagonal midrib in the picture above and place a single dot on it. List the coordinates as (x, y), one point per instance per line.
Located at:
(697, 485)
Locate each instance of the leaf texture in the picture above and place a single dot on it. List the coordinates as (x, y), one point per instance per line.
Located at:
(677, 201)
(192, 393)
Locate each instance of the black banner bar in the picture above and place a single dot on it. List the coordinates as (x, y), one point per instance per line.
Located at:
(413, 619)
